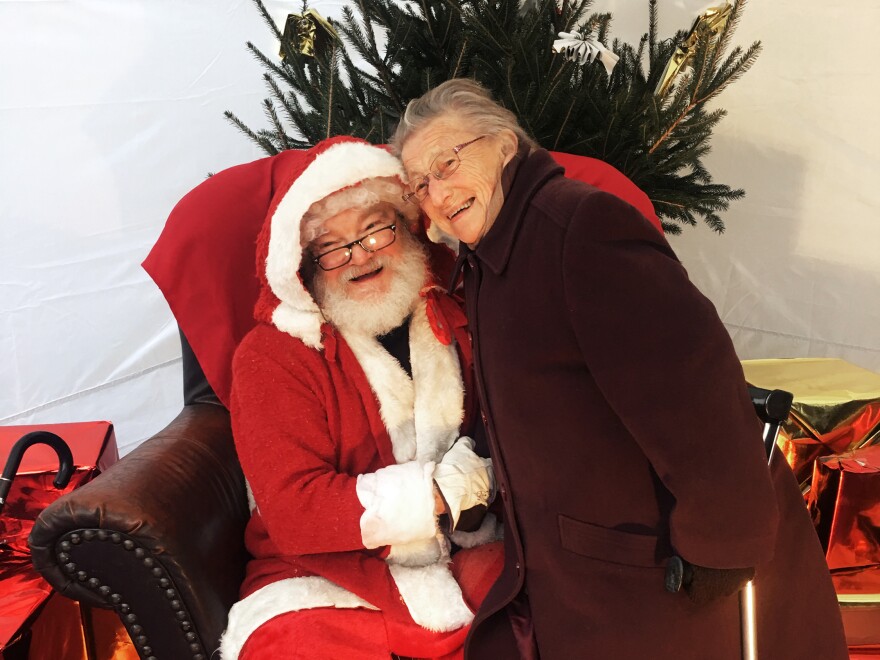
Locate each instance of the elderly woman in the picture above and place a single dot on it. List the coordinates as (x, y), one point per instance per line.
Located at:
(616, 412)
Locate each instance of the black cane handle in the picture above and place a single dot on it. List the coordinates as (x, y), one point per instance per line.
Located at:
(65, 460)
(772, 406)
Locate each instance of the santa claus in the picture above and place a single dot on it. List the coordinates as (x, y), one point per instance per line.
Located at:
(348, 405)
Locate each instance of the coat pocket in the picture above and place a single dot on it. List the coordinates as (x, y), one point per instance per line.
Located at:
(609, 545)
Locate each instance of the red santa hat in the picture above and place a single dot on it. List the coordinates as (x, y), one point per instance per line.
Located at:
(330, 167)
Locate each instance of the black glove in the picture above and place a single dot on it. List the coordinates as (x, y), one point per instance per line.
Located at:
(703, 585)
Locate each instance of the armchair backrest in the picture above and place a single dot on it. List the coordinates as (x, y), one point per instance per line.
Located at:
(204, 259)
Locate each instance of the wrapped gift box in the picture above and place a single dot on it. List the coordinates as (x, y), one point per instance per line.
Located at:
(845, 504)
(836, 407)
(829, 440)
(34, 622)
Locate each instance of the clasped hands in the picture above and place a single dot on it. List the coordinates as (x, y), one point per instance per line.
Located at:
(462, 480)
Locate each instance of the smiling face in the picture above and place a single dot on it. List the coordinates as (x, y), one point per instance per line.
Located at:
(367, 274)
(375, 291)
(467, 202)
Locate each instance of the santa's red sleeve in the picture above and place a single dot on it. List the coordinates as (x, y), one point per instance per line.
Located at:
(291, 459)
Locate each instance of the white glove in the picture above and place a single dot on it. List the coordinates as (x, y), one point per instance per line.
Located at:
(464, 479)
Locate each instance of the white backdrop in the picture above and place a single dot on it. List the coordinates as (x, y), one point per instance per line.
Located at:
(110, 111)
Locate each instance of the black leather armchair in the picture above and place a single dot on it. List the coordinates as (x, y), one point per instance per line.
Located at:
(158, 537)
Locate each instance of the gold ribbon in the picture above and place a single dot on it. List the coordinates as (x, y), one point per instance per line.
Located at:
(711, 22)
(301, 30)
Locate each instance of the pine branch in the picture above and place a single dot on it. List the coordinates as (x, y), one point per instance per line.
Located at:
(736, 71)
(730, 27)
(267, 19)
(365, 42)
(330, 84)
(660, 143)
(269, 108)
(264, 144)
(280, 72)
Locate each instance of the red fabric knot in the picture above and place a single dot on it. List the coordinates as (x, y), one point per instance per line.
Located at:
(328, 337)
(444, 314)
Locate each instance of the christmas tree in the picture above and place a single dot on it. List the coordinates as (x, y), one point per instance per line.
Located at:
(648, 117)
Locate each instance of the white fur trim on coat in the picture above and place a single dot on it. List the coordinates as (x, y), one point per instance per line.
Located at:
(422, 414)
(420, 553)
(398, 503)
(289, 595)
(439, 389)
(341, 165)
(491, 529)
(393, 389)
(432, 596)
(430, 593)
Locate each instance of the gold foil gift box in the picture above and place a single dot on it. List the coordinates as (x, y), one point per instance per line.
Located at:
(836, 408)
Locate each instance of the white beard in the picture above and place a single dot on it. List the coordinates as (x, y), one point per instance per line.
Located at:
(379, 312)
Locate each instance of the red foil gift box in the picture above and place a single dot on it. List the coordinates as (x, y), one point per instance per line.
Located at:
(836, 408)
(34, 622)
(844, 502)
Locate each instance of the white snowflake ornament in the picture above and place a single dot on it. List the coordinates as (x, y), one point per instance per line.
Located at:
(577, 48)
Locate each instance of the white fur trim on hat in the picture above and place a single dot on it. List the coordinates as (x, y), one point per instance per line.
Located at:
(340, 166)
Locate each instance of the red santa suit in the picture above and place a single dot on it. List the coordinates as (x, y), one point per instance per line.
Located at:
(338, 444)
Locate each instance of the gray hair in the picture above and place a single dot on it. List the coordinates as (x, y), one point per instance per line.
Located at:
(367, 193)
(467, 101)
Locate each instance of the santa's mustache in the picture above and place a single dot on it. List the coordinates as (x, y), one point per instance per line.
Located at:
(353, 272)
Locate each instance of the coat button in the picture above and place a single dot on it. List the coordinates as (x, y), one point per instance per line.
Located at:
(674, 574)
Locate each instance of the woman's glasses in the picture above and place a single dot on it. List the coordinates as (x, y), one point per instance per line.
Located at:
(442, 166)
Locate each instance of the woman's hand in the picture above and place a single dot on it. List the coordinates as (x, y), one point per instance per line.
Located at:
(463, 479)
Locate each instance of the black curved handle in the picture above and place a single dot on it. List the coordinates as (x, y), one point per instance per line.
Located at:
(65, 460)
(772, 406)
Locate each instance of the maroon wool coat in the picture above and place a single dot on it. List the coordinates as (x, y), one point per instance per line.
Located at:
(621, 433)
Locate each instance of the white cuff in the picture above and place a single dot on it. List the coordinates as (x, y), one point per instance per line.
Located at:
(398, 503)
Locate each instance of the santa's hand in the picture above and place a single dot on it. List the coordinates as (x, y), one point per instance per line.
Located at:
(464, 479)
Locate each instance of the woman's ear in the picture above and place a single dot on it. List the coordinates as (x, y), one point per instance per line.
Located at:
(509, 144)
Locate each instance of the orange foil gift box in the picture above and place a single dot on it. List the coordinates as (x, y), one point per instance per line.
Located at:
(836, 408)
(36, 623)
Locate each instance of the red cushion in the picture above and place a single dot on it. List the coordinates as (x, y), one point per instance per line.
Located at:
(603, 176)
